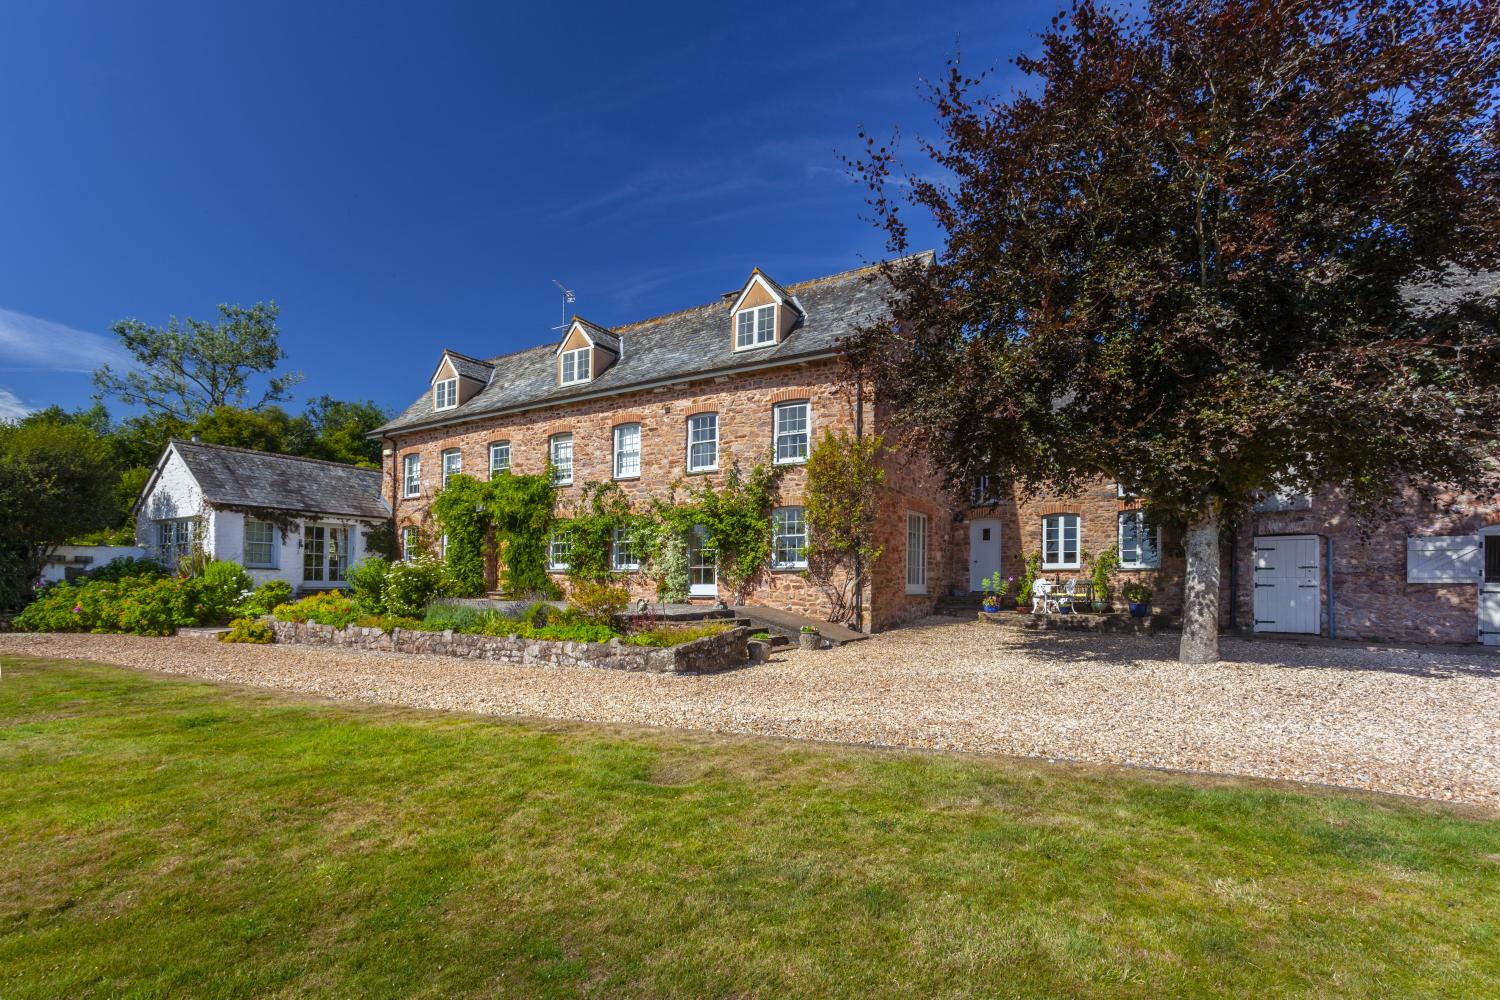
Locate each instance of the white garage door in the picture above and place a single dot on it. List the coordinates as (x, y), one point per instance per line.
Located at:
(1286, 584)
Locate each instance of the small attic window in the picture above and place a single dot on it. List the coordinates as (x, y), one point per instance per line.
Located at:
(755, 327)
(575, 366)
(445, 394)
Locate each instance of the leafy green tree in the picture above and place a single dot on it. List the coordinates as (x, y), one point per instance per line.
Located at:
(190, 367)
(56, 481)
(267, 429)
(337, 431)
(1179, 258)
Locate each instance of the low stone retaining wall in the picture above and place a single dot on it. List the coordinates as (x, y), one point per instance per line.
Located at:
(701, 656)
(1081, 622)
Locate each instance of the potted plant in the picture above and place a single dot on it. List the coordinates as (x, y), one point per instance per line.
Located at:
(1105, 563)
(808, 638)
(995, 589)
(1029, 573)
(1138, 596)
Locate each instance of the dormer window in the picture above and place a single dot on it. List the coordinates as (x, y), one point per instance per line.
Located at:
(575, 366)
(755, 327)
(445, 394)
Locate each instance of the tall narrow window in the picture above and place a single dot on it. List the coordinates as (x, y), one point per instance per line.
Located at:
(755, 327)
(408, 543)
(562, 459)
(627, 451)
(792, 429)
(499, 458)
(174, 540)
(559, 548)
(703, 442)
(1060, 541)
(411, 475)
(260, 544)
(1492, 558)
(916, 553)
(453, 464)
(622, 557)
(788, 538)
(1138, 541)
(575, 365)
(445, 394)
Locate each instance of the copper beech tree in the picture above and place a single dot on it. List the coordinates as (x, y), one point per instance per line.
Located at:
(1182, 255)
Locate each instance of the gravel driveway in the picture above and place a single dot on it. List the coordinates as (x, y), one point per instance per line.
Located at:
(1423, 723)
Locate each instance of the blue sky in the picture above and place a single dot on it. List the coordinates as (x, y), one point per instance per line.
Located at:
(405, 178)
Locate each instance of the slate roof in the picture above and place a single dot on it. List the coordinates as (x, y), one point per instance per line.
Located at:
(248, 478)
(693, 343)
(603, 337)
(469, 367)
(1455, 286)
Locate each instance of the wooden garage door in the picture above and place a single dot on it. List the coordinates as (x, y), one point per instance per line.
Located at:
(1286, 584)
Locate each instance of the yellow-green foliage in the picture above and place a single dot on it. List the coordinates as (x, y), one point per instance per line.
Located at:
(248, 630)
(332, 607)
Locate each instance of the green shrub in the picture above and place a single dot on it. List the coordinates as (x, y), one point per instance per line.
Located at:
(136, 605)
(455, 616)
(410, 586)
(368, 578)
(331, 607)
(217, 591)
(388, 622)
(539, 613)
(598, 602)
(120, 569)
(491, 623)
(248, 630)
(675, 635)
(267, 598)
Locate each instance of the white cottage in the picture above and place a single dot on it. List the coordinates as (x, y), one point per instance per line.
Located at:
(301, 520)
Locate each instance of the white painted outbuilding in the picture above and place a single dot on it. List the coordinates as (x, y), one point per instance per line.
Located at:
(301, 520)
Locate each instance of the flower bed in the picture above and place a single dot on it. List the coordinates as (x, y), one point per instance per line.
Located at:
(709, 654)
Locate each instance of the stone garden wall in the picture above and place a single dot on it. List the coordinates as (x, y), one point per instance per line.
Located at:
(707, 655)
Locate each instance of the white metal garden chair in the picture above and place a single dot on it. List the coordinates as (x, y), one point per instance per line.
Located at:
(1066, 598)
(1041, 598)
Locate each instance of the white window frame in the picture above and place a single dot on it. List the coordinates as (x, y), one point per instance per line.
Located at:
(458, 464)
(916, 552)
(1062, 521)
(498, 448)
(559, 551)
(411, 475)
(329, 574)
(714, 440)
(779, 534)
(777, 433)
(270, 543)
(621, 545)
(576, 366)
(175, 538)
(445, 393)
(408, 542)
(761, 334)
(1144, 529)
(622, 454)
(562, 475)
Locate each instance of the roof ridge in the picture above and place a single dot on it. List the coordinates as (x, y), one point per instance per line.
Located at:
(273, 454)
(466, 357)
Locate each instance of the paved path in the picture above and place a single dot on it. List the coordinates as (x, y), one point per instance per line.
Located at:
(1406, 721)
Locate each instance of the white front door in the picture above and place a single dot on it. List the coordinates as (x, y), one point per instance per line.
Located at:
(984, 550)
(1286, 584)
(703, 571)
(1489, 589)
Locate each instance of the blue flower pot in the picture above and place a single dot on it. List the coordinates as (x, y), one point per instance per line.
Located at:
(1140, 610)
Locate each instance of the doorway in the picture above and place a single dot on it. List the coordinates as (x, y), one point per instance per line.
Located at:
(984, 551)
(703, 570)
(1489, 589)
(1288, 596)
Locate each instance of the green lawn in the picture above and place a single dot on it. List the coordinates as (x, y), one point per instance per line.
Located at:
(167, 837)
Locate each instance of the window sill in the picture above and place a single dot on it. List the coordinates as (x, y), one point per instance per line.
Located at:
(627, 479)
(626, 569)
(789, 568)
(1135, 567)
(259, 566)
(916, 591)
(1054, 567)
(755, 347)
(790, 461)
(702, 472)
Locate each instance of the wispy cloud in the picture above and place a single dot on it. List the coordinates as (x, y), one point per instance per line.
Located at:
(11, 407)
(42, 345)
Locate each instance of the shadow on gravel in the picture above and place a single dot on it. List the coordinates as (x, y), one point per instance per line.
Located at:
(1415, 661)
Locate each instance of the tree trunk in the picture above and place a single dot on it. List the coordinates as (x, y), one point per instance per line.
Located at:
(1200, 598)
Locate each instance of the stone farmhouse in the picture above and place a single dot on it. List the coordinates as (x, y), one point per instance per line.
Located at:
(756, 374)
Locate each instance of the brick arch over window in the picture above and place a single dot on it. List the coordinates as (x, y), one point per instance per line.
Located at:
(791, 396)
(1057, 507)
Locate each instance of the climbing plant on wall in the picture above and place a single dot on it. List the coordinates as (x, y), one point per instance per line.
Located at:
(511, 515)
(737, 515)
(602, 507)
(844, 476)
